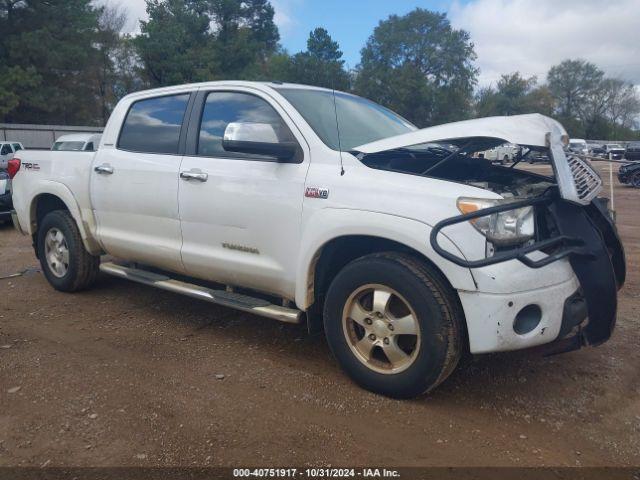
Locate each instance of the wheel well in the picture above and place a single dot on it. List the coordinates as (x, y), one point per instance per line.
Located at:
(337, 253)
(43, 204)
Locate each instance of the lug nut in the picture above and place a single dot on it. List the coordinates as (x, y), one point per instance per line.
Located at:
(368, 321)
(372, 337)
(391, 327)
(386, 341)
(379, 315)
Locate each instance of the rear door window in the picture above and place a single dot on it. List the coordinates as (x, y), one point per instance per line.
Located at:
(6, 149)
(153, 125)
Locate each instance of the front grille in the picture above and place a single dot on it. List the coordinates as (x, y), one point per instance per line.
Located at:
(588, 182)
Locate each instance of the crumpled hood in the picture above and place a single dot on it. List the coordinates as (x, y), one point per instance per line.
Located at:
(527, 130)
(577, 181)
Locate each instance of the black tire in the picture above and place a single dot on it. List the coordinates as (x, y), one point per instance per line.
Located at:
(82, 267)
(438, 313)
(635, 180)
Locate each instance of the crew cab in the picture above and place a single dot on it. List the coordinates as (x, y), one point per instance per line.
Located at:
(303, 204)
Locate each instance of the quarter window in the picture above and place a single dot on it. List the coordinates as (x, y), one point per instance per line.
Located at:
(223, 108)
(153, 125)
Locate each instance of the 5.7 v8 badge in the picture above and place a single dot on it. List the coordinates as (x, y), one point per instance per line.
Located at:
(317, 192)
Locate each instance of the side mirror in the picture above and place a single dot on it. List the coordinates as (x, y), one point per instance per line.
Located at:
(257, 139)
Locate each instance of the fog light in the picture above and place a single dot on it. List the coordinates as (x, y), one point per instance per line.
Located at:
(527, 319)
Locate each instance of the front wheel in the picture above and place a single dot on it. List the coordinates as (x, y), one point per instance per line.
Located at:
(65, 263)
(635, 180)
(393, 324)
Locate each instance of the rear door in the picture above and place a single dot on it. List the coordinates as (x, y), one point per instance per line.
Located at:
(241, 217)
(134, 183)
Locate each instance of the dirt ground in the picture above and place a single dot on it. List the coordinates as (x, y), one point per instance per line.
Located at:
(128, 375)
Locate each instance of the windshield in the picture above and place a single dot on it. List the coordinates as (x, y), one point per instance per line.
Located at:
(73, 146)
(361, 121)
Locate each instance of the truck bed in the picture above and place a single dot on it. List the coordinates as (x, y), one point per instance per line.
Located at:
(69, 169)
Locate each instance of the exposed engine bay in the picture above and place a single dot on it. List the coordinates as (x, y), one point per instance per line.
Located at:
(449, 163)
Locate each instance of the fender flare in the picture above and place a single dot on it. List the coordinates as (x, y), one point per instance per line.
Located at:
(63, 192)
(330, 224)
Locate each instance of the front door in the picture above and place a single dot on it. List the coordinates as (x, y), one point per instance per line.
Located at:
(240, 214)
(134, 184)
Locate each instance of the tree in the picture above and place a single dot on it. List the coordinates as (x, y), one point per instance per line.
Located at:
(590, 104)
(108, 44)
(622, 106)
(320, 65)
(244, 34)
(571, 83)
(196, 40)
(514, 95)
(419, 66)
(321, 46)
(174, 45)
(46, 47)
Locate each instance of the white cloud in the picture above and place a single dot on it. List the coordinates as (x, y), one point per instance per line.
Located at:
(284, 14)
(532, 35)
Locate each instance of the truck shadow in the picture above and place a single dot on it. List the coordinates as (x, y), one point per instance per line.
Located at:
(484, 378)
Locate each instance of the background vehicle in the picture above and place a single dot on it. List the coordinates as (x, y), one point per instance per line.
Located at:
(536, 156)
(615, 150)
(502, 153)
(578, 146)
(632, 152)
(7, 151)
(86, 142)
(597, 151)
(302, 203)
(5, 197)
(630, 174)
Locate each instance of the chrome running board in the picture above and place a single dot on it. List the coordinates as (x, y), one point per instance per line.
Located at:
(225, 298)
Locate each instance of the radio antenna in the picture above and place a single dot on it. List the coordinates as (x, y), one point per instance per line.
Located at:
(335, 110)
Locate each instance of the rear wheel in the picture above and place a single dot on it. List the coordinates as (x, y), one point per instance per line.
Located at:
(635, 180)
(65, 263)
(393, 324)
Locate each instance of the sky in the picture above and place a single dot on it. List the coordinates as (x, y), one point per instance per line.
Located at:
(509, 35)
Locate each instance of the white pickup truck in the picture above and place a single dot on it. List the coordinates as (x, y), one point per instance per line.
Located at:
(308, 205)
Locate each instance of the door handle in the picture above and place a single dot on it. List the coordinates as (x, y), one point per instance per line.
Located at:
(201, 177)
(104, 169)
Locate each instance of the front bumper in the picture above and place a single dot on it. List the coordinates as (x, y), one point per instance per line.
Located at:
(588, 239)
(491, 317)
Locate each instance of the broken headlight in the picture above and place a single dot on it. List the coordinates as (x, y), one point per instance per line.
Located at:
(508, 228)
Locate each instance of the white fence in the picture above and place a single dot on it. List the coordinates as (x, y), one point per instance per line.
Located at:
(40, 136)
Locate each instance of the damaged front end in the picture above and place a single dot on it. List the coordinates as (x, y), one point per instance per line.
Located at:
(538, 221)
